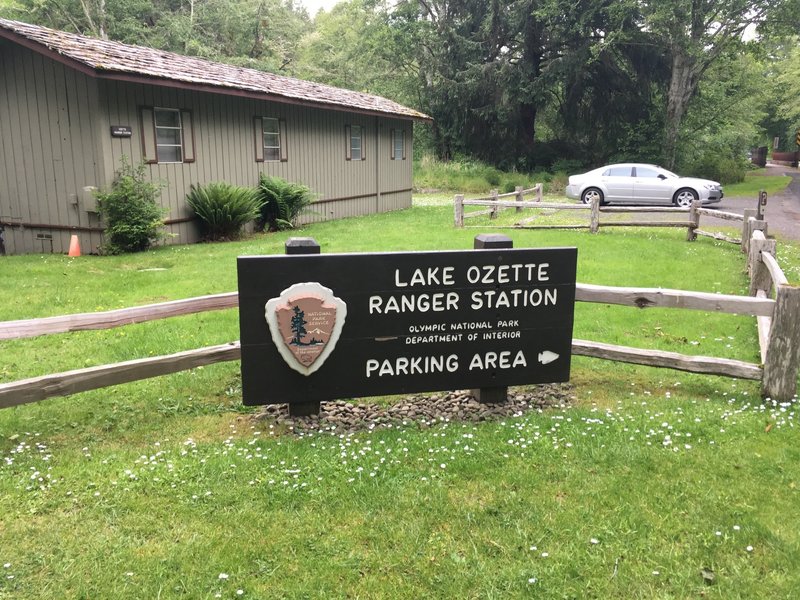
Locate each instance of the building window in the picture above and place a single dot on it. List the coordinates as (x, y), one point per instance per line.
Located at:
(398, 144)
(272, 139)
(169, 135)
(270, 136)
(355, 142)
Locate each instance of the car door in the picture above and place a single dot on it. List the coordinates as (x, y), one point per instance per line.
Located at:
(618, 182)
(651, 187)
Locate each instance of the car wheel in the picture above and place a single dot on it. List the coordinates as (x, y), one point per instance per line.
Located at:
(589, 194)
(684, 197)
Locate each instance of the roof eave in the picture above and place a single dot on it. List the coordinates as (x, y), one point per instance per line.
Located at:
(244, 93)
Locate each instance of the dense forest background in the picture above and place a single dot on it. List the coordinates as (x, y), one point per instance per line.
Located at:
(519, 84)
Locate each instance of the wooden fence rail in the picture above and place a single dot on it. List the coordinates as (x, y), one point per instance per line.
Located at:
(595, 209)
(666, 298)
(92, 378)
(25, 328)
(671, 360)
(494, 203)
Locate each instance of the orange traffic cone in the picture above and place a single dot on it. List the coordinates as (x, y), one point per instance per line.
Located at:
(74, 246)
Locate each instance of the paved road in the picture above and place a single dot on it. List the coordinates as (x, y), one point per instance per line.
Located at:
(783, 209)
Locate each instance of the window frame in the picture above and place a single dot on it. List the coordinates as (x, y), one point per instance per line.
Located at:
(350, 131)
(359, 130)
(276, 150)
(397, 135)
(260, 139)
(179, 128)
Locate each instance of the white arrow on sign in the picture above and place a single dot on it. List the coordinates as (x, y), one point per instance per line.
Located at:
(547, 357)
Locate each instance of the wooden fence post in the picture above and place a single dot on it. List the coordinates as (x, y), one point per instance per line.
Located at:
(748, 214)
(594, 219)
(493, 209)
(760, 278)
(539, 191)
(302, 245)
(756, 225)
(458, 203)
(779, 381)
(519, 197)
(694, 221)
(486, 241)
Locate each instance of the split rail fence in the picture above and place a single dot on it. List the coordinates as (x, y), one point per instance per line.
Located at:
(595, 210)
(777, 318)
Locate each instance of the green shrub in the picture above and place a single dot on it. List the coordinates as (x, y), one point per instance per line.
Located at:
(508, 187)
(133, 219)
(493, 177)
(717, 166)
(223, 208)
(557, 184)
(464, 175)
(281, 202)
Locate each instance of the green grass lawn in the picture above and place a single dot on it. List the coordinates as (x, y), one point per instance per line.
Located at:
(755, 182)
(170, 488)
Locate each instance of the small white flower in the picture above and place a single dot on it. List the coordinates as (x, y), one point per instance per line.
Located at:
(7, 566)
(749, 548)
(736, 528)
(545, 554)
(717, 533)
(239, 592)
(533, 547)
(656, 573)
(532, 580)
(223, 576)
(594, 541)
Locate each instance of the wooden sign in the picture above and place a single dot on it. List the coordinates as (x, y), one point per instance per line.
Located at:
(326, 326)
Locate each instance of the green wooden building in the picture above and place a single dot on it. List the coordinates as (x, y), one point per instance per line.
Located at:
(72, 106)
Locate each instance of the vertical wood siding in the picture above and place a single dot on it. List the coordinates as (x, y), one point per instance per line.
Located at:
(47, 127)
(55, 140)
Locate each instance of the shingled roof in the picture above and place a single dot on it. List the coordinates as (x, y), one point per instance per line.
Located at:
(114, 60)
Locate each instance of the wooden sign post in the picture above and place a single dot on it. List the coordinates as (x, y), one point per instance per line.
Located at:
(320, 327)
(761, 209)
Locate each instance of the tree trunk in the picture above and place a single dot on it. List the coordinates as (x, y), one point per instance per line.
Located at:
(682, 85)
(532, 60)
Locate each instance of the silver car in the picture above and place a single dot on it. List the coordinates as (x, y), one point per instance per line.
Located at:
(632, 183)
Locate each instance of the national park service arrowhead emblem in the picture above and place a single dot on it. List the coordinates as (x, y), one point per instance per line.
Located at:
(305, 322)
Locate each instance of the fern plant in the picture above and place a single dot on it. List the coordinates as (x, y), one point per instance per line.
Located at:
(281, 202)
(223, 209)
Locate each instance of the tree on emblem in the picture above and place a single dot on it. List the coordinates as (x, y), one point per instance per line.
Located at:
(298, 326)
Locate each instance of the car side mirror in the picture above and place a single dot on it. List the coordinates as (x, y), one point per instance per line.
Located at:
(662, 177)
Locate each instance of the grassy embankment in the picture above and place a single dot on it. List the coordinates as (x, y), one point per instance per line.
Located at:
(653, 483)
